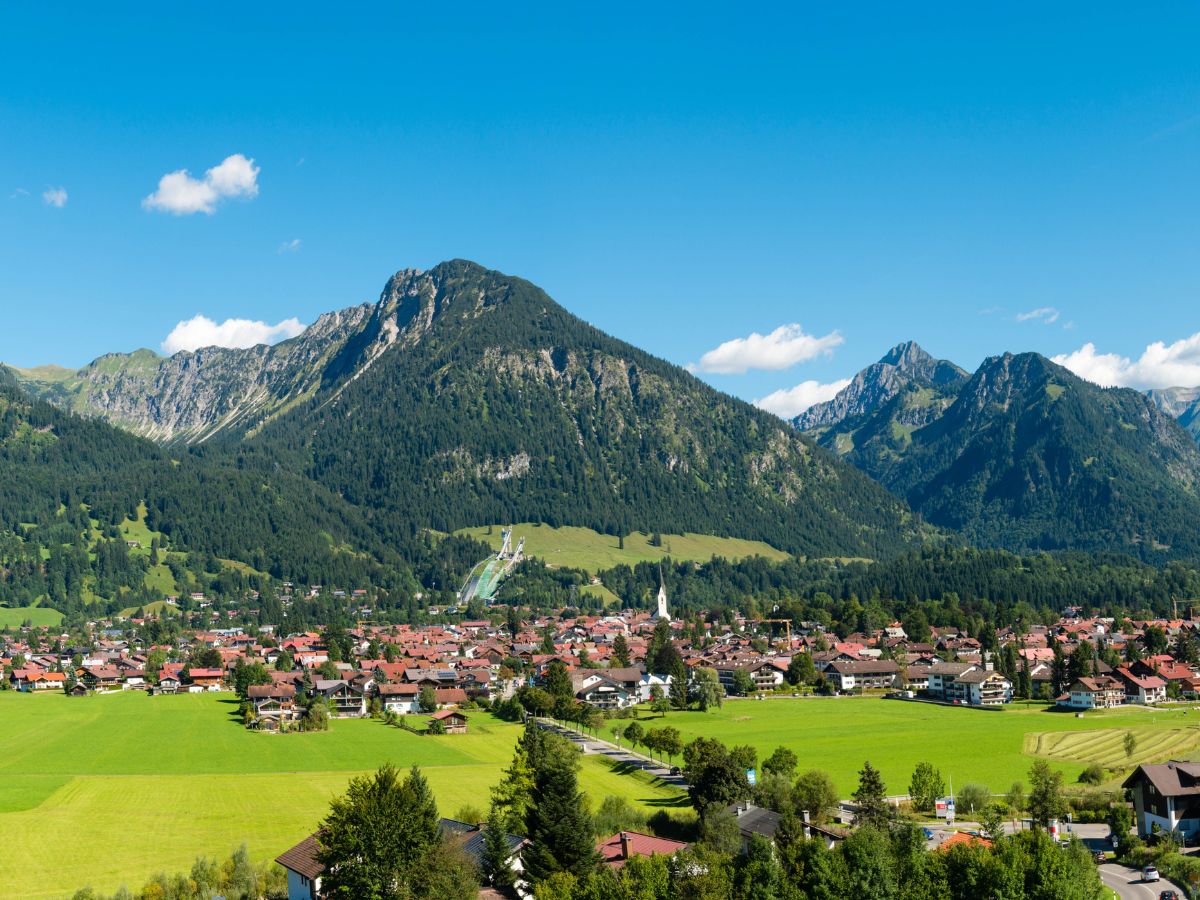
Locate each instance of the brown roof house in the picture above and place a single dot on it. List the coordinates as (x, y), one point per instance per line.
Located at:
(1167, 796)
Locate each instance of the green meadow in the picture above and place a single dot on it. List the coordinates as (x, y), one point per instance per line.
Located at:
(160, 780)
(16, 616)
(994, 748)
(582, 548)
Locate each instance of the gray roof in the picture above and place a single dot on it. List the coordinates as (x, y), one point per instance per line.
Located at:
(1172, 779)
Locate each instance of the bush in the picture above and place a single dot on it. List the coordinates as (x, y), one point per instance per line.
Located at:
(1093, 774)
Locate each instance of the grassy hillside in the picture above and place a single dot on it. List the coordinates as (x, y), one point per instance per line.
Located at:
(583, 548)
(15, 616)
(185, 780)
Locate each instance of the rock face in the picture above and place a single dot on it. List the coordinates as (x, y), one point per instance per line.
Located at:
(192, 396)
(904, 365)
(1183, 404)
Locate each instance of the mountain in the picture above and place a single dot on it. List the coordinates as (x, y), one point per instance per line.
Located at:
(190, 396)
(1026, 455)
(1182, 404)
(465, 396)
(904, 366)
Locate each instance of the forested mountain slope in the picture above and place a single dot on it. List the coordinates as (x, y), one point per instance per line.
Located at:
(483, 400)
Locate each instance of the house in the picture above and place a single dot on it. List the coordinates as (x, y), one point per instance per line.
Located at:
(452, 721)
(1101, 692)
(344, 698)
(968, 684)
(623, 846)
(1144, 689)
(603, 692)
(402, 699)
(204, 680)
(862, 674)
(752, 820)
(304, 870)
(274, 704)
(1166, 796)
(102, 678)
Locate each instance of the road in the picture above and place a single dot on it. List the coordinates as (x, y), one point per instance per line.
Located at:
(1129, 885)
(589, 744)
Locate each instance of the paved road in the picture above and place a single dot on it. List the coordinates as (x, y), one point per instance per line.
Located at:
(1129, 885)
(618, 754)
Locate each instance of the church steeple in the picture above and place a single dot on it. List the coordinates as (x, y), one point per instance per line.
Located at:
(661, 612)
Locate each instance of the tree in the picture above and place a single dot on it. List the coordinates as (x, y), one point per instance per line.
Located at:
(1015, 798)
(800, 669)
(679, 684)
(815, 794)
(245, 676)
(715, 777)
(635, 734)
(782, 762)
(658, 701)
(560, 827)
(1046, 801)
(558, 684)
(617, 730)
(496, 866)
(283, 662)
(926, 787)
(743, 682)
(871, 797)
(670, 742)
(379, 838)
(514, 792)
(620, 652)
(427, 700)
(707, 687)
(1129, 742)
(972, 799)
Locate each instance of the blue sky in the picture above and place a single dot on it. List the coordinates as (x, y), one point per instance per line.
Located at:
(681, 177)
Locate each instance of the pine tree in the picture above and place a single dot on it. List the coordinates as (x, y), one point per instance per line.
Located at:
(560, 829)
(497, 870)
(620, 648)
(871, 797)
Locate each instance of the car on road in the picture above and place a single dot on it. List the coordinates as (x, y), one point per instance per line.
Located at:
(675, 770)
(1100, 857)
(1169, 895)
(1150, 873)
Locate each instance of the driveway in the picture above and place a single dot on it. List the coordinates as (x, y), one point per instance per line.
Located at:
(601, 747)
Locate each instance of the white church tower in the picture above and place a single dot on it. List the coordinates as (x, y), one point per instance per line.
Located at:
(662, 613)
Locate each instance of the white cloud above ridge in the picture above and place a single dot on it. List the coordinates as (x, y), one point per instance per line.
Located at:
(201, 331)
(783, 348)
(1161, 365)
(790, 402)
(289, 246)
(55, 196)
(1046, 314)
(180, 194)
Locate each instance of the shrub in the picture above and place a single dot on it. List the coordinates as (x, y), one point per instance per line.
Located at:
(1093, 774)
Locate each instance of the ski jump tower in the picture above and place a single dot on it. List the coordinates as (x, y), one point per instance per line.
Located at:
(488, 574)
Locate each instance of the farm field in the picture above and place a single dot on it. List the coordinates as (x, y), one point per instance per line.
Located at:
(583, 548)
(170, 778)
(990, 748)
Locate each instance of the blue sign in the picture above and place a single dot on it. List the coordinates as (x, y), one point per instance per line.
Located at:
(751, 777)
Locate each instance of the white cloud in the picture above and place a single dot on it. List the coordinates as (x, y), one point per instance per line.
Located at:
(18, 192)
(1047, 314)
(781, 349)
(790, 403)
(289, 246)
(182, 195)
(56, 197)
(1160, 365)
(201, 331)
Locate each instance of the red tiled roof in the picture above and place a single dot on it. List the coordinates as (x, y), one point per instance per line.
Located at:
(612, 850)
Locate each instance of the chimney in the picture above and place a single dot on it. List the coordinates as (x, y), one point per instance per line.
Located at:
(624, 845)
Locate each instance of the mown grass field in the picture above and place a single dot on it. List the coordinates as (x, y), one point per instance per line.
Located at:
(582, 548)
(14, 616)
(990, 748)
(160, 780)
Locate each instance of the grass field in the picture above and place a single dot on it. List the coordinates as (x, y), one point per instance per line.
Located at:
(160, 780)
(991, 748)
(582, 548)
(13, 616)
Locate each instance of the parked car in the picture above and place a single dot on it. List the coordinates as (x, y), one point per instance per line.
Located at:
(1150, 873)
